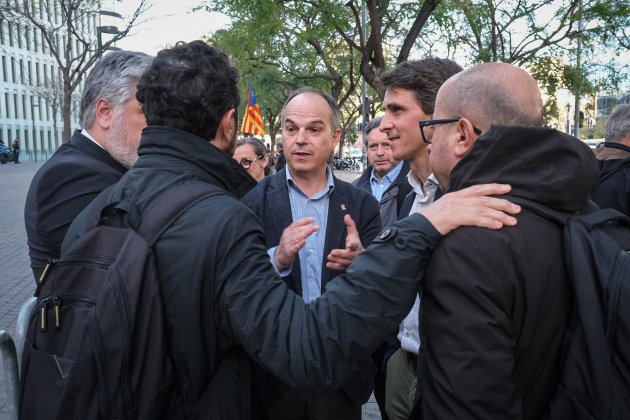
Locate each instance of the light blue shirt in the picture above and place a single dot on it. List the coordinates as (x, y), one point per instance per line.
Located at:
(312, 254)
(379, 186)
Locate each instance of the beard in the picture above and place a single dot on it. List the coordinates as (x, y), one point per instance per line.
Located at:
(119, 144)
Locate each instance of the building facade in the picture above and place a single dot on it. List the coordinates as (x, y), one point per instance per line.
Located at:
(31, 92)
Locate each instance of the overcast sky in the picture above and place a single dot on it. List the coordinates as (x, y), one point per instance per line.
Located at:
(164, 23)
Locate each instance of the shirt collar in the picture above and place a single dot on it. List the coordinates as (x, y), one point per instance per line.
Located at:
(391, 175)
(418, 186)
(328, 188)
(86, 134)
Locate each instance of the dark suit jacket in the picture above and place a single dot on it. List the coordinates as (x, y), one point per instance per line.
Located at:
(393, 197)
(74, 175)
(270, 200)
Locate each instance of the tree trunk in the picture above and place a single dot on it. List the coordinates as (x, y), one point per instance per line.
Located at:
(66, 110)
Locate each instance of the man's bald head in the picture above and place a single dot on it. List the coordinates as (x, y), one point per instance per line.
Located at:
(493, 93)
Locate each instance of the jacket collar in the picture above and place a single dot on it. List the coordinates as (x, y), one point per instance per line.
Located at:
(87, 146)
(184, 152)
(541, 164)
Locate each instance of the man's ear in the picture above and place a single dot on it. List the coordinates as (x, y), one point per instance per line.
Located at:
(467, 137)
(103, 114)
(336, 136)
(225, 130)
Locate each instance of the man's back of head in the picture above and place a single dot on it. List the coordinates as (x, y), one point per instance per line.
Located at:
(189, 87)
(493, 93)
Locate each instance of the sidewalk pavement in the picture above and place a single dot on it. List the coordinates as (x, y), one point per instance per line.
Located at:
(16, 277)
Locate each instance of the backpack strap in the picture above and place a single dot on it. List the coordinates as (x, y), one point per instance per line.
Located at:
(169, 206)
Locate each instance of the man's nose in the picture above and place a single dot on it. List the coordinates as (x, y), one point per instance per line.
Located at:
(384, 125)
(300, 137)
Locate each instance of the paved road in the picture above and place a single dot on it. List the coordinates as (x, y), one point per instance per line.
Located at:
(16, 283)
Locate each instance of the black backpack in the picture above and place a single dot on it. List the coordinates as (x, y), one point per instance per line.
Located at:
(595, 378)
(97, 345)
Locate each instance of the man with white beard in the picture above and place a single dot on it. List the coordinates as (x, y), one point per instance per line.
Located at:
(95, 157)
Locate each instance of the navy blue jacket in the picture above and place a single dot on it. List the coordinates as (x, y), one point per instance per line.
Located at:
(270, 201)
(393, 197)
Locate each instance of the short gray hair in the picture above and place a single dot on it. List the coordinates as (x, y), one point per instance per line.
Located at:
(335, 114)
(618, 125)
(375, 123)
(113, 78)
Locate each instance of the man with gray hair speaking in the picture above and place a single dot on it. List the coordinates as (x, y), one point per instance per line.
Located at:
(95, 157)
(613, 190)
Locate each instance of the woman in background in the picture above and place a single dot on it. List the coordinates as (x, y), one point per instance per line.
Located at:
(252, 154)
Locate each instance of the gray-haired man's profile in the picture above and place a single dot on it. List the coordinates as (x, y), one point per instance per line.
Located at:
(95, 157)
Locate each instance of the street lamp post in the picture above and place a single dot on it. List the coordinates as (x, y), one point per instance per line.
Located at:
(108, 29)
(33, 106)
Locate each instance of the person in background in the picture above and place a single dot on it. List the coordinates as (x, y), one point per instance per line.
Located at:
(16, 150)
(613, 190)
(252, 154)
(95, 157)
(385, 177)
(279, 159)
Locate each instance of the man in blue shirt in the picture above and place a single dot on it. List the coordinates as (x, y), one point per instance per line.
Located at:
(386, 177)
(308, 213)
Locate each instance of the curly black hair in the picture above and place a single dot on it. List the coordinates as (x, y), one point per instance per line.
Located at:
(189, 87)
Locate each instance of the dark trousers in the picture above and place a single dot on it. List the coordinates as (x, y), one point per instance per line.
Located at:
(16, 157)
(292, 404)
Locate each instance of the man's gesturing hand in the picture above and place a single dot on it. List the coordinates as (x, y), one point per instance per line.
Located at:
(292, 240)
(340, 259)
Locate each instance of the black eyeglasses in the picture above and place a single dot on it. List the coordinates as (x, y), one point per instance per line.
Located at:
(246, 163)
(428, 123)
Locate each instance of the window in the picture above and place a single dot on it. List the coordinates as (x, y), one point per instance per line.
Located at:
(13, 69)
(37, 74)
(35, 43)
(10, 33)
(18, 34)
(27, 38)
(21, 71)
(4, 68)
(6, 105)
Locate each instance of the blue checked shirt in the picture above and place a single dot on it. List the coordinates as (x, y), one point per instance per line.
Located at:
(312, 254)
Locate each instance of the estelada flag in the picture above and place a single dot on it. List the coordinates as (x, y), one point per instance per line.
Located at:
(252, 122)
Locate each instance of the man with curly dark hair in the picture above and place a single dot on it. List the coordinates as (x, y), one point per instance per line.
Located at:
(220, 291)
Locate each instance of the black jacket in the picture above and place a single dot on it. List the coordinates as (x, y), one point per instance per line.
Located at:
(220, 290)
(495, 303)
(393, 197)
(613, 190)
(73, 176)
